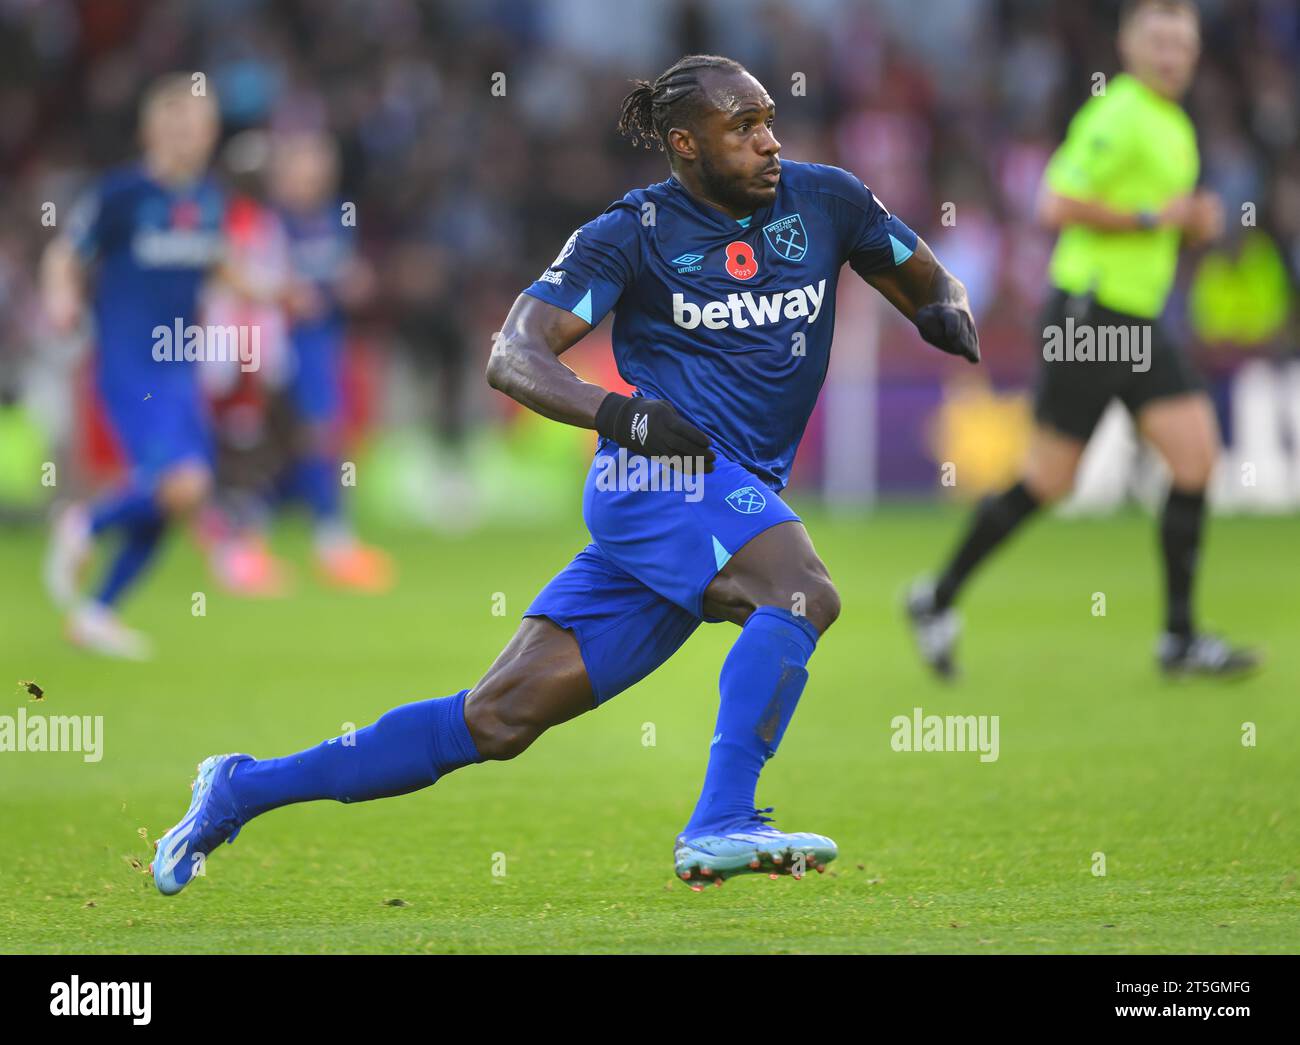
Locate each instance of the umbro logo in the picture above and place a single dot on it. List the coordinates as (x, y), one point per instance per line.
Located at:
(688, 262)
(640, 427)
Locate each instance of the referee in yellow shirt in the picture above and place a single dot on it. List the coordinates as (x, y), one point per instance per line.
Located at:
(1121, 191)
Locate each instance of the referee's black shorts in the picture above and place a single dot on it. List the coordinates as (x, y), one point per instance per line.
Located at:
(1071, 395)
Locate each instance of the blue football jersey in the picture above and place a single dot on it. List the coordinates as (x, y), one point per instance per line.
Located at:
(320, 247)
(152, 247)
(730, 321)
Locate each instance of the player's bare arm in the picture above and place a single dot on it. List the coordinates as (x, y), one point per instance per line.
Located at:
(62, 282)
(934, 299)
(1198, 215)
(525, 365)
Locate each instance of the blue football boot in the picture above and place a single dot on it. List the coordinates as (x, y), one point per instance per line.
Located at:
(210, 820)
(749, 847)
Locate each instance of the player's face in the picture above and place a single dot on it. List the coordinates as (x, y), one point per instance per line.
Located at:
(1160, 47)
(737, 152)
(180, 132)
(303, 172)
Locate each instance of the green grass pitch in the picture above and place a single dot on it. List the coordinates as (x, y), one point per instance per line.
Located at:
(939, 852)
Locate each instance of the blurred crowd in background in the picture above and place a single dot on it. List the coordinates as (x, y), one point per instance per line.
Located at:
(467, 182)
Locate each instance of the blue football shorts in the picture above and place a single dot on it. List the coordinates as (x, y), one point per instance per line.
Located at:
(316, 387)
(658, 537)
(159, 424)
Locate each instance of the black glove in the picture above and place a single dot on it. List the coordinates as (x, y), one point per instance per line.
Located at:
(949, 328)
(651, 427)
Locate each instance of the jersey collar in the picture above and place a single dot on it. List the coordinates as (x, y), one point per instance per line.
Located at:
(1149, 95)
(715, 216)
(182, 190)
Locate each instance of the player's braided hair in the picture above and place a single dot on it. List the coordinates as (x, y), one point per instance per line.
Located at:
(649, 110)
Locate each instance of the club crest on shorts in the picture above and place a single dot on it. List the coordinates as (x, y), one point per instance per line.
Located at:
(747, 500)
(787, 237)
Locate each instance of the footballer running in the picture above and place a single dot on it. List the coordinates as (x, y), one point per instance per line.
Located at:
(722, 280)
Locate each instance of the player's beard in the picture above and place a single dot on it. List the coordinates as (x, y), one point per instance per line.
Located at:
(724, 189)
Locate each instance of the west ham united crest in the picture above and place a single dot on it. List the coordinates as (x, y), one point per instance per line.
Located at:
(747, 500)
(787, 237)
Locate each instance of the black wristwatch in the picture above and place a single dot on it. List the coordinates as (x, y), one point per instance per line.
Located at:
(1147, 220)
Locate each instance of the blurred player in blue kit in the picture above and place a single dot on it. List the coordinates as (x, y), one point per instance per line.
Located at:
(292, 230)
(145, 236)
(722, 279)
(328, 277)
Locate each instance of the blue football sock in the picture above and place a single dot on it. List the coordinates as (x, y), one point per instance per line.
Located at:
(762, 679)
(283, 488)
(126, 507)
(317, 482)
(137, 551)
(407, 749)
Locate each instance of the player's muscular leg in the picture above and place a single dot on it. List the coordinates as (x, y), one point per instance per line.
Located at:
(1184, 431)
(1051, 464)
(183, 489)
(538, 681)
(777, 568)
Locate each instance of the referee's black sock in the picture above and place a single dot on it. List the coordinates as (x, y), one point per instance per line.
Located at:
(995, 519)
(1180, 540)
